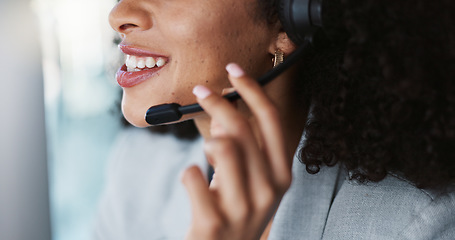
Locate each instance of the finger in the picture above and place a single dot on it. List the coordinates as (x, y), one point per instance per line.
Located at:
(202, 203)
(231, 177)
(268, 120)
(217, 130)
(223, 113)
(236, 126)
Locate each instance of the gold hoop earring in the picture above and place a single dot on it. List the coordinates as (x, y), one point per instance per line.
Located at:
(278, 58)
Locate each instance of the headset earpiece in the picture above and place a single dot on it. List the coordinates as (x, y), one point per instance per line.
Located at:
(300, 18)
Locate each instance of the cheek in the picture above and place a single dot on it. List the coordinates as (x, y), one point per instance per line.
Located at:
(207, 29)
(200, 56)
(201, 44)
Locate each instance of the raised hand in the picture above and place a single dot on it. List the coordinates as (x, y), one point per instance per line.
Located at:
(251, 163)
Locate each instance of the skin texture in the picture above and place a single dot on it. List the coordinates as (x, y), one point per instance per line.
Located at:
(199, 42)
(246, 142)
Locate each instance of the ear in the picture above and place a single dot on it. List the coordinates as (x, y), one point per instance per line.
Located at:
(283, 43)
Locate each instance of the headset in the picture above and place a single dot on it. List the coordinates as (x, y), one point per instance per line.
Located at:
(301, 20)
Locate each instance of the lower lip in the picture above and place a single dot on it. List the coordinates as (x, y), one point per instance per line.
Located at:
(129, 79)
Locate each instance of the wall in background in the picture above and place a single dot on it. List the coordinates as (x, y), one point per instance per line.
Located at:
(79, 61)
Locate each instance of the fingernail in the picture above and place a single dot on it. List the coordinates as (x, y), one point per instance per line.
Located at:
(201, 92)
(234, 70)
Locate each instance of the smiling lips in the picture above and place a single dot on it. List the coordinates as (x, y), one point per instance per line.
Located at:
(139, 66)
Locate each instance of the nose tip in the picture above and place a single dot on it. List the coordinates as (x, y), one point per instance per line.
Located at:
(126, 17)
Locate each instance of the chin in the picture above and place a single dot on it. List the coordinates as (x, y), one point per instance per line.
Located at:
(135, 118)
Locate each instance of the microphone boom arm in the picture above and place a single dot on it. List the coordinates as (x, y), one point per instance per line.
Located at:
(171, 112)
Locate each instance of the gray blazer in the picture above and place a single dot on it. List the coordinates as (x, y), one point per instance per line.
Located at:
(328, 206)
(144, 199)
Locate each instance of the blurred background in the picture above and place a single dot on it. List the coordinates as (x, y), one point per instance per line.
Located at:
(79, 64)
(74, 46)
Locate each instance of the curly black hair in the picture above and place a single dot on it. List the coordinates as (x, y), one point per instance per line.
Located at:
(383, 93)
(390, 105)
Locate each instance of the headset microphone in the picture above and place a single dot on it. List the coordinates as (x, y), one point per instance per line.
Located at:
(171, 112)
(300, 18)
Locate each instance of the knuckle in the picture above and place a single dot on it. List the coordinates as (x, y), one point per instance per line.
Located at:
(242, 212)
(223, 145)
(267, 197)
(214, 226)
(209, 227)
(272, 191)
(240, 127)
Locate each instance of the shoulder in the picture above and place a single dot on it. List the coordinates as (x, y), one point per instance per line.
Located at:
(435, 218)
(143, 177)
(392, 188)
(391, 209)
(139, 155)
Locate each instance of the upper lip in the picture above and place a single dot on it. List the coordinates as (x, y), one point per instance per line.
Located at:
(132, 50)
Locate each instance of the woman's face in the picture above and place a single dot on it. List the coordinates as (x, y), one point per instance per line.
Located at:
(183, 43)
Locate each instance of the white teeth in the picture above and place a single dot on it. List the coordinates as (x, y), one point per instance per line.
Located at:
(135, 64)
(160, 62)
(141, 63)
(131, 61)
(150, 62)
